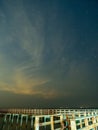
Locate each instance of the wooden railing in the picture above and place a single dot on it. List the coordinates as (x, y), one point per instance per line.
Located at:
(53, 119)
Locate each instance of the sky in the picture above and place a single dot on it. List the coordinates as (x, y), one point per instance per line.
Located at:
(48, 53)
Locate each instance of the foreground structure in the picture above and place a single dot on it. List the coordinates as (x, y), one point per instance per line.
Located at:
(50, 119)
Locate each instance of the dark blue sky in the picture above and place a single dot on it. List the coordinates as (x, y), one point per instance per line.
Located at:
(48, 53)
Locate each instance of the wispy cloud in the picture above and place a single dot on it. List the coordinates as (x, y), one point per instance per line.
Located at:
(27, 37)
(24, 86)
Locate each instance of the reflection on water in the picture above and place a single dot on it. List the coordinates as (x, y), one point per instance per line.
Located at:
(14, 126)
(8, 125)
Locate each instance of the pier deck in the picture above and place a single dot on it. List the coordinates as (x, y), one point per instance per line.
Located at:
(51, 119)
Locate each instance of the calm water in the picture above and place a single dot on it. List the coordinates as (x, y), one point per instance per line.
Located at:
(16, 126)
(13, 126)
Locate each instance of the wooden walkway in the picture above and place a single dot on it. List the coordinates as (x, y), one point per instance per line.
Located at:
(52, 119)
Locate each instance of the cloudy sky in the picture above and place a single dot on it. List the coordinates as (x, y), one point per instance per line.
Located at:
(48, 53)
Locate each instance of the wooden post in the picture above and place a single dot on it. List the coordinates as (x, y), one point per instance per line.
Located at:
(73, 124)
(12, 118)
(32, 122)
(9, 117)
(62, 122)
(26, 120)
(86, 122)
(21, 120)
(93, 120)
(45, 121)
(36, 123)
(5, 118)
(52, 123)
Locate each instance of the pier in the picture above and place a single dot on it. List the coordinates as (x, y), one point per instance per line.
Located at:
(51, 119)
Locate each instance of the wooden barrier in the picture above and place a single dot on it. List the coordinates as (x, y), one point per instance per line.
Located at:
(61, 119)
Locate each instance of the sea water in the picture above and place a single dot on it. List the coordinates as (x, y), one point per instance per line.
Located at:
(8, 125)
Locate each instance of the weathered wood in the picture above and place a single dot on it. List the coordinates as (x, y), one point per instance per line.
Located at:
(67, 118)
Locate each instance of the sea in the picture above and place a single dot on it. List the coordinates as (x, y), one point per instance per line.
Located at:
(16, 126)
